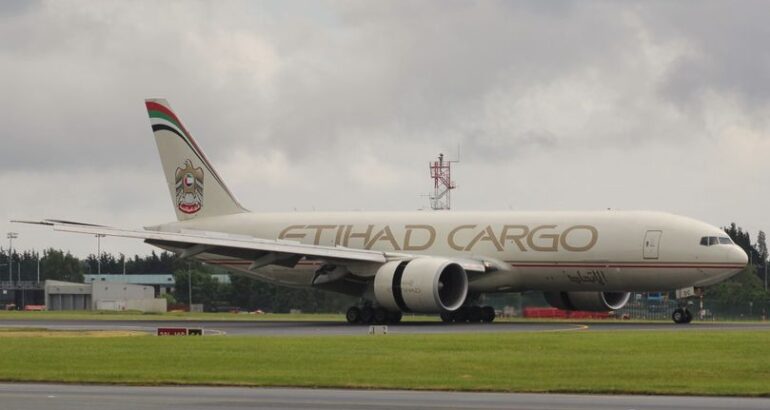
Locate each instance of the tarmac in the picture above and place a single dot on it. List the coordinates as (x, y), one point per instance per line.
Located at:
(88, 397)
(321, 328)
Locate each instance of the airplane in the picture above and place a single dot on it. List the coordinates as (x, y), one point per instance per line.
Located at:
(429, 262)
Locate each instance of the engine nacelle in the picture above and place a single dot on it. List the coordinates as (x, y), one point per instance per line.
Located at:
(588, 301)
(422, 285)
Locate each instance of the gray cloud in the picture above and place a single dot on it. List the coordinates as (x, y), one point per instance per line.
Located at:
(726, 53)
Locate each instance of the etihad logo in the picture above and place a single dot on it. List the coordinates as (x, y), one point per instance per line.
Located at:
(189, 188)
(467, 238)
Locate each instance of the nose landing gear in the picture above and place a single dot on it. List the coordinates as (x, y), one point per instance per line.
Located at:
(681, 316)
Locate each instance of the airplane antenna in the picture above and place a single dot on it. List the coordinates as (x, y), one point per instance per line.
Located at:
(441, 173)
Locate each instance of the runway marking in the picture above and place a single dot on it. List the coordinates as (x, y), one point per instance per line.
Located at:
(669, 327)
(572, 329)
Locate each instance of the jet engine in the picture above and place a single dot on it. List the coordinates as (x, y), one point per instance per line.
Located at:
(588, 301)
(422, 285)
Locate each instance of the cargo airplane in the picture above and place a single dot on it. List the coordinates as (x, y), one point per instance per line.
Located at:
(427, 262)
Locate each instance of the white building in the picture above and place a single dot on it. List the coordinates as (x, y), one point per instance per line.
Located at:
(101, 296)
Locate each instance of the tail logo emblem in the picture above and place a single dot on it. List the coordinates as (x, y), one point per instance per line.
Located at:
(189, 188)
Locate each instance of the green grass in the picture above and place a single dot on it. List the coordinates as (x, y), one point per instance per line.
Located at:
(708, 363)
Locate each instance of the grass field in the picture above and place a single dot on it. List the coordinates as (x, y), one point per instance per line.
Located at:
(708, 363)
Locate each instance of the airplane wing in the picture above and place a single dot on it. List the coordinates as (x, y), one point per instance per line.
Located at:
(263, 251)
(204, 241)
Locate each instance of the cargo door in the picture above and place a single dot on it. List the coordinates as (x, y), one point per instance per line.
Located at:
(651, 244)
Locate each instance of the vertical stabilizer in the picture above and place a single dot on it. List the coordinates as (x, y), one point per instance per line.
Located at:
(195, 187)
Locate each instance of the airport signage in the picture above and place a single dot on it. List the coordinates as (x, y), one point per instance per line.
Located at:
(179, 331)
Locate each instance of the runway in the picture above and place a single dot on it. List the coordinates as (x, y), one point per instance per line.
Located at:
(86, 397)
(321, 328)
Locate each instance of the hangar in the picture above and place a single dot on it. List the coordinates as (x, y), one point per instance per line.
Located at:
(101, 296)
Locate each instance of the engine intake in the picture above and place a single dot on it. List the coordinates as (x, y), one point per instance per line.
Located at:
(422, 285)
(588, 301)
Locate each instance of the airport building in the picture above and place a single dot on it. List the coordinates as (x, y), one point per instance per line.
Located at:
(161, 283)
(102, 296)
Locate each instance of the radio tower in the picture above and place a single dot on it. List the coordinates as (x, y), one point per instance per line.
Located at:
(441, 172)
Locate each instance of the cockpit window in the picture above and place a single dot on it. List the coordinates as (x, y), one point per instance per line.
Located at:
(715, 240)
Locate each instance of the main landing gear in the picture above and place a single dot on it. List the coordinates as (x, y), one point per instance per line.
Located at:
(470, 314)
(368, 314)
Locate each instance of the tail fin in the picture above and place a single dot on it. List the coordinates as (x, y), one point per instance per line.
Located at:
(187, 169)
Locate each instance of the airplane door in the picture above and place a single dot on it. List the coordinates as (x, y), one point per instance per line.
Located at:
(651, 244)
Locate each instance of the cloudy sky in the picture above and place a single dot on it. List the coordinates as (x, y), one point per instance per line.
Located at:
(340, 105)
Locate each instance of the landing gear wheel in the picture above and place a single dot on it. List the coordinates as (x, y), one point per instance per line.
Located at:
(475, 314)
(395, 317)
(687, 316)
(681, 316)
(460, 315)
(380, 316)
(488, 314)
(678, 316)
(353, 315)
(447, 317)
(367, 314)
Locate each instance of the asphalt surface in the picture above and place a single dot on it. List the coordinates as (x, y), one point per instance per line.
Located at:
(303, 328)
(86, 397)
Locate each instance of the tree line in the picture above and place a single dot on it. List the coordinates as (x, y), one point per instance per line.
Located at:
(241, 292)
(742, 293)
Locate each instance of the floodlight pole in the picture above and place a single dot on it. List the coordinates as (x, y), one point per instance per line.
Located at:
(11, 236)
(99, 255)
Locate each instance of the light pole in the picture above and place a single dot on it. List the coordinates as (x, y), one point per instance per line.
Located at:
(99, 237)
(11, 236)
(18, 270)
(38, 268)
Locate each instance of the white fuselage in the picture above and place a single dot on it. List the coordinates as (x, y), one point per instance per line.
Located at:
(548, 251)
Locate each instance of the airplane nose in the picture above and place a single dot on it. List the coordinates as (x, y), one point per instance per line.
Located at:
(738, 256)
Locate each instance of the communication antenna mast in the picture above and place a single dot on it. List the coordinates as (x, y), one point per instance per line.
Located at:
(441, 172)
